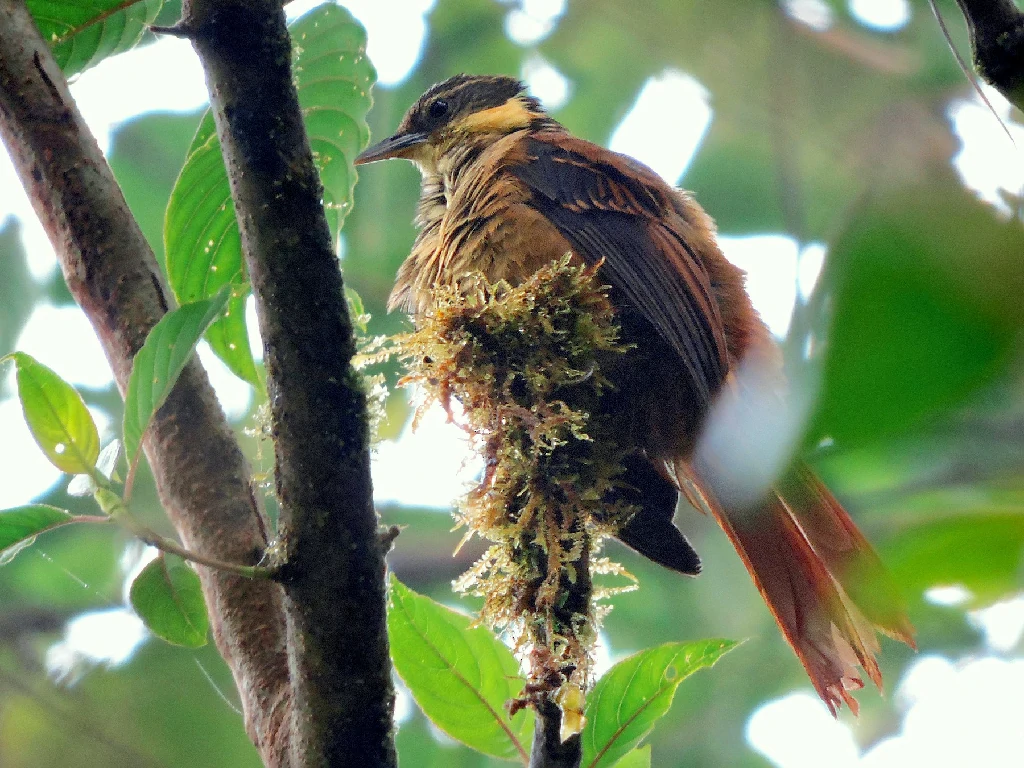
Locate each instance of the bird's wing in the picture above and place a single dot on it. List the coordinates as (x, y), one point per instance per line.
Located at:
(612, 208)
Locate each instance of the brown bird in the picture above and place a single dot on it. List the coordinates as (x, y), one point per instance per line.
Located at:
(505, 190)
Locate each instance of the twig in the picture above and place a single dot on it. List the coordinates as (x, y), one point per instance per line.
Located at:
(154, 539)
(966, 70)
(548, 750)
(81, 720)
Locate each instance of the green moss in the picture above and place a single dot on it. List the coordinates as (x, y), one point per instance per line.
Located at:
(524, 364)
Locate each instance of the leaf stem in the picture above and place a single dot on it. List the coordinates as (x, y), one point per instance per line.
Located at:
(172, 547)
(117, 510)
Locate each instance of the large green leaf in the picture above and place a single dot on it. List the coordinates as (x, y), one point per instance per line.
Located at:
(461, 675)
(626, 702)
(168, 597)
(20, 526)
(203, 247)
(983, 552)
(82, 33)
(924, 293)
(56, 416)
(158, 364)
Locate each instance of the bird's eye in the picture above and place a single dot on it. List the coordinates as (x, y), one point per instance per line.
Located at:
(438, 109)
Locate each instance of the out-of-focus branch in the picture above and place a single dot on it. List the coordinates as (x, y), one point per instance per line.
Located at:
(333, 569)
(202, 478)
(997, 41)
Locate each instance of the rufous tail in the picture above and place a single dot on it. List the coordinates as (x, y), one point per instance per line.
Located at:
(821, 579)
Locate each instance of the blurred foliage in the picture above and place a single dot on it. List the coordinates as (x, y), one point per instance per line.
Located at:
(839, 136)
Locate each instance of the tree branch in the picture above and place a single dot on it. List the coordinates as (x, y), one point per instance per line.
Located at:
(333, 570)
(997, 40)
(548, 750)
(111, 272)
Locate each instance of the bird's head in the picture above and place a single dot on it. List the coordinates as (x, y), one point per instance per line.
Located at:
(465, 109)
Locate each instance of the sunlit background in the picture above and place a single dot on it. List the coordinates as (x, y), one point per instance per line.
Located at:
(817, 133)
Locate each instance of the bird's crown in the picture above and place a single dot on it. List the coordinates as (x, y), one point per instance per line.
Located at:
(464, 96)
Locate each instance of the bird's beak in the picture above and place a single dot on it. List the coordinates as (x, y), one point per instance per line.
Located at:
(399, 145)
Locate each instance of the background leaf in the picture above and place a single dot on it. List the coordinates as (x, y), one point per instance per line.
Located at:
(989, 546)
(168, 597)
(638, 758)
(461, 676)
(20, 526)
(82, 33)
(56, 416)
(203, 246)
(158, 364)
(633, 694)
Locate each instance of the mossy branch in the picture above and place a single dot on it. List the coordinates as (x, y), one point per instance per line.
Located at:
(520, 369)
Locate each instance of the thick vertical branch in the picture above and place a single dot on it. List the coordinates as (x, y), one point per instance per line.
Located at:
(201, 475)
(334, 559)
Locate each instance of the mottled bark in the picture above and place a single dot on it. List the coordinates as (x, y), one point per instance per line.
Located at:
(333, 558)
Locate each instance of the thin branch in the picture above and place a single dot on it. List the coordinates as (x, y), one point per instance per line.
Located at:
(154, 539)
(81, 720)
(111, 272)
(333, 569)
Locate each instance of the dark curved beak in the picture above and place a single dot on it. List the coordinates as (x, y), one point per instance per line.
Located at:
(399, 145)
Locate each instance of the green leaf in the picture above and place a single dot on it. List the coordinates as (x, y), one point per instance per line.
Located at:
(159, 363)
(461, 675)
(626, 702)
(20, 526)
(168, 597)
(56, 416)
(82, 33)
(917, 330)
(638, 758)
(203, 246)
(106, 464)
(982, 551)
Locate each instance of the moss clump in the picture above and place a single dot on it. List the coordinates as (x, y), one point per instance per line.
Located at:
(525, 364)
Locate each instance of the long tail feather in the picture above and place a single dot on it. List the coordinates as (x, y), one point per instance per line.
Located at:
(820, 578)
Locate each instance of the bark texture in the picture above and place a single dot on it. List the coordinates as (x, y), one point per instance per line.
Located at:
(333, 565)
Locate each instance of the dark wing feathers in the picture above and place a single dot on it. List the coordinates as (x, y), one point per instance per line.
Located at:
(609, 207)
(650, 531)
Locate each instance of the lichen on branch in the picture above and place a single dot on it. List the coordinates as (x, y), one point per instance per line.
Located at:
(524, 364)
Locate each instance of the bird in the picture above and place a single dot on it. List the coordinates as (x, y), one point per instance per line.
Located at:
(505, 190)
